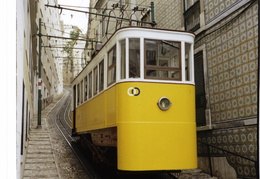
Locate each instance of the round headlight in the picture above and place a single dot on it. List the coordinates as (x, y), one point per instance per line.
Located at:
(164, 103)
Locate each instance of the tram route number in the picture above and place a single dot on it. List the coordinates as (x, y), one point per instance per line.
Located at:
(133, 91)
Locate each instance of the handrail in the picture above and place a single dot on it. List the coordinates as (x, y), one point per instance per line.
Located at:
(227, 152)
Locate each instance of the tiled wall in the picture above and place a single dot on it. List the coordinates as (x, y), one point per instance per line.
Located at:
(232, 66)
(232, 54)
(241, 141)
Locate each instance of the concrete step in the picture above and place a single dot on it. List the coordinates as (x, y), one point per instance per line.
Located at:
(39, 142)
(40, 173)
(40, 166)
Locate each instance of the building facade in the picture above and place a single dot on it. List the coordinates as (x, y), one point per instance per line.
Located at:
(27, 50)
(73, 63)
(226, 70)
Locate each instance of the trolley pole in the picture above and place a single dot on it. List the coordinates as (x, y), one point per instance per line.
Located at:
(39, 77)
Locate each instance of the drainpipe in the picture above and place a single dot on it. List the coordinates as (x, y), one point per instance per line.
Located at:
(39, 77)
(152, 13)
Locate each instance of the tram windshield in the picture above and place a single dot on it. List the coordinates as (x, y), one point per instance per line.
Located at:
(151, 59)
(162, 60)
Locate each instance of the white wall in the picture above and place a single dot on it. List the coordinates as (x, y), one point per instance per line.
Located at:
(8, 89)
(19, 94)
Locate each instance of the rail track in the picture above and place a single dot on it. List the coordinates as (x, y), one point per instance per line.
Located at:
(63, 123)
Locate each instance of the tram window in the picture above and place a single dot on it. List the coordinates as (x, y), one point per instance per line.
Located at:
(78, 93)
(90, 85)
(134, 58)
(187, 61)
(162, 60)
(165, 74)
(101, 75)
(123, 58)
(111, 76)
(86, 88)
(95, 80)
(81, 92)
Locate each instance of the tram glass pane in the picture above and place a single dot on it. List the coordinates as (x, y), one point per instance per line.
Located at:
(86, 88)
(95, 80)
(187, 61)
(162, 59)
(81, 91)
(163, 74)
(90, 85)
(134, 58)
(111, 77)
(101, 75)
(78, 93)
(122, 58)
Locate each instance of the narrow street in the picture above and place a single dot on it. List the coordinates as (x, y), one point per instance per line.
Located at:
(66, 164)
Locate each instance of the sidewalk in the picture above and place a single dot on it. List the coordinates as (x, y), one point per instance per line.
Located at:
(40, 159)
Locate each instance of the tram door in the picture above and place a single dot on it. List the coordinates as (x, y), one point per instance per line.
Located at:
(74, 110)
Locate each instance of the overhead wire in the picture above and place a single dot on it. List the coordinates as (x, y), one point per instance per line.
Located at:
(104, 19)
(128, 3)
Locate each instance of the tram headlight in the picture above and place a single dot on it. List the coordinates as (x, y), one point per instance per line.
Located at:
(164, 103)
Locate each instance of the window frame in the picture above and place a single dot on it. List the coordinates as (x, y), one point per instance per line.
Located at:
(112, 66)
(151, 67)
(95, 80)
(101, 75)
(190, 11)
(122, 58)
(86, 88)
(130, 59)
(90, 85)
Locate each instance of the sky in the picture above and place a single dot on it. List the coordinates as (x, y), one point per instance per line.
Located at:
(75, 18)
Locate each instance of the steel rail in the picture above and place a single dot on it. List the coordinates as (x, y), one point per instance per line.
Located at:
(70, 140)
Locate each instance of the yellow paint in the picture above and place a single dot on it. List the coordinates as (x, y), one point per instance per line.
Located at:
(156, 146)
(91, 115)
(148, 138)
(152, 139)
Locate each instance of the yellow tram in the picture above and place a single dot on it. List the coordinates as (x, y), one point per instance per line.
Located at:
(138, 95)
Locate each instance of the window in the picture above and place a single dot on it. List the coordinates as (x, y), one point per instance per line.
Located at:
(101, 75)
(162, 60)
(188, 62)
(134, 58)
(86, 88)
(111, 76)
(192, 15)
(78, 94)
(90, 85)
(122, 58)
(95, 80)
(81, 92)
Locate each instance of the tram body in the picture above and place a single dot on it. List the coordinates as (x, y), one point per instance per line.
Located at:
(138, 95)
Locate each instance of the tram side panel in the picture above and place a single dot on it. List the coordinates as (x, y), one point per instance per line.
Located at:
(97, 113)
(152, 139)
